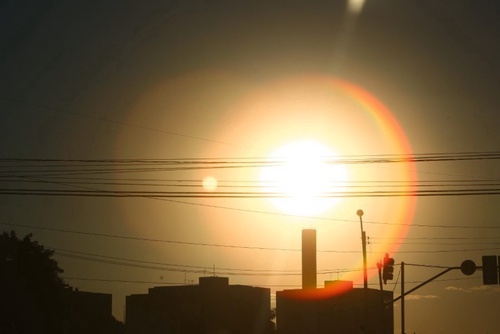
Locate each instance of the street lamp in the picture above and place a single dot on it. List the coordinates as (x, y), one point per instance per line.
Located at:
(363, 242)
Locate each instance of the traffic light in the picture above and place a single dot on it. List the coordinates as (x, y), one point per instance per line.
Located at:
(388, 268)
(490, 269)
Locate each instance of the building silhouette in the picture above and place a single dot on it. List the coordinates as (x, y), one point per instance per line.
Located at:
(215, 307)
(212, 306)
(337, 308)
(90, 312)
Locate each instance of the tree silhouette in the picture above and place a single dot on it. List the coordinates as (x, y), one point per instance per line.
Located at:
(35, 299)
(30, 286)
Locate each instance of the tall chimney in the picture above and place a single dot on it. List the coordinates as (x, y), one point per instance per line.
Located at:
(309, 259)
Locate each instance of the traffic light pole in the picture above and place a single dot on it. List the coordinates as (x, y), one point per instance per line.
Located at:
(467, 267)
(404, 293)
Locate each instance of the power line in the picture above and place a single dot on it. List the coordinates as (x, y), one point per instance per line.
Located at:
(224, 245)
(252, 161)
(167, 241)
(478, 187)
(448, 250)
(103, 119)
(435, 243)
(186, 268)
(243, 195)
(141, 264)
(53, 171)
(259, 285)
(316, 217)
(435, 238)
(166, 283)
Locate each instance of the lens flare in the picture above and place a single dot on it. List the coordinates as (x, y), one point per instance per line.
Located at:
(210, 183)
(355, 6)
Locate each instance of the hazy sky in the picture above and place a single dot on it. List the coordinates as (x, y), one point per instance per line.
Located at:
(235, 81)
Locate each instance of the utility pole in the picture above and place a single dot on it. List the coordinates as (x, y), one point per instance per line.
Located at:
(363, 241)
(402, 298)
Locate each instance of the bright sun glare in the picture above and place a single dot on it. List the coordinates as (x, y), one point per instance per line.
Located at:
(306, 174)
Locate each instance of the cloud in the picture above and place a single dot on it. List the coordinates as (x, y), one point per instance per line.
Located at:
(481, 288)
(420, 297)
(487, 288)
(456, 288)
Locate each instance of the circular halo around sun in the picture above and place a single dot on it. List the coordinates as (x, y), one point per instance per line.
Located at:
(303, 178)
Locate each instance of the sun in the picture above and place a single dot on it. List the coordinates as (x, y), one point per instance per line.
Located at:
(305, 176)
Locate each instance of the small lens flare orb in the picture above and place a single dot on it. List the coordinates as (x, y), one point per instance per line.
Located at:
(210, 183)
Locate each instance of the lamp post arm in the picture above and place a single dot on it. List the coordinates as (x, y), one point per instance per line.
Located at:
(424, 283)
